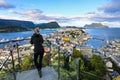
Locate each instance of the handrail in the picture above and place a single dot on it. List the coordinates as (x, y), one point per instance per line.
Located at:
(78, 62)
(92, 74)
(58, 47)
(80, 71)
(5, 62)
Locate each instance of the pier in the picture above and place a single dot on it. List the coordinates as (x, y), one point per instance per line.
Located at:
(99, 39)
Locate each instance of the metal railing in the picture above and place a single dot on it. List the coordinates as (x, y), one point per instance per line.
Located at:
(4, 62)
(48, 43)
(78, 71)
(10, 47)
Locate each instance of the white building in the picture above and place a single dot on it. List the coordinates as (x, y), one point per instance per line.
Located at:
(116, 59)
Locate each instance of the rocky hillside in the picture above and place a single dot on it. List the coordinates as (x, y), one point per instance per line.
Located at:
(96, 25)
(48, 25)
(25, 24)
(17, 25)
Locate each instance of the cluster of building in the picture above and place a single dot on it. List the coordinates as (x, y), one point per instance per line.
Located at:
(68, 38)
(112, 51)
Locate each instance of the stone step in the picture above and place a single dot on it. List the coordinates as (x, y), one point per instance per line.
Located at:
(48, 73)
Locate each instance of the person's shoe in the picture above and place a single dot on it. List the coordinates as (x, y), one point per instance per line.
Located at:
(40, 73)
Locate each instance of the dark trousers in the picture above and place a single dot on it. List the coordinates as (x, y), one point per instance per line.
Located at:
(38, 59)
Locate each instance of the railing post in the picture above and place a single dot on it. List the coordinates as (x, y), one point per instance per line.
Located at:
(58, 62)
(78, 68)
(66, 61)
(11, 53)
(58, 47)
(49, 46)
(19, 60)
(50, 53)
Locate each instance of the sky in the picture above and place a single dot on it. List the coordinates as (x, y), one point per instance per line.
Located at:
(64, 12)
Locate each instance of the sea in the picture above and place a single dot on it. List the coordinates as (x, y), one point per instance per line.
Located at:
(98, 33)
(23, 34)
(102, 35)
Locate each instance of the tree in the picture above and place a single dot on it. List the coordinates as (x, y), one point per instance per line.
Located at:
(77, 54)
(98, 65)
(82, 65)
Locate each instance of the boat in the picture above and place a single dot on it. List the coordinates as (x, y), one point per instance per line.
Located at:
(4, 41)
(87, 38)
(17, 39)
(28, 38)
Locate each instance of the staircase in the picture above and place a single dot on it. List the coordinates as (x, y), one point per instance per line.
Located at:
(48, 73)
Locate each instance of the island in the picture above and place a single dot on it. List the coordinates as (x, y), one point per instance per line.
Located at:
(95, 25)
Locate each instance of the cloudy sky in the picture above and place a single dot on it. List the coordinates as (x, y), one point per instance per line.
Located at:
(65, 12)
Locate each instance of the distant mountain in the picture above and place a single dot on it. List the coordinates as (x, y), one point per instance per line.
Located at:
(18, 25)
(48, 25)
(25, 24)
(96, 25)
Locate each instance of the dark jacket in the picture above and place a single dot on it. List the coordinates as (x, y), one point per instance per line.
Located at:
(37, 40)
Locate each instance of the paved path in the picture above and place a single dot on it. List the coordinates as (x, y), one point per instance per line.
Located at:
(48, 73)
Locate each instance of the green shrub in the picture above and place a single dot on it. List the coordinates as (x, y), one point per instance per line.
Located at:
(27, 63)
(46, 60)
(98, 65)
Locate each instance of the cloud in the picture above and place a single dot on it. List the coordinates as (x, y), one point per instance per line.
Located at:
(36, 14)
(101, 17)
(109, 12)
(11, 17)
(111, 7)
(5, 5)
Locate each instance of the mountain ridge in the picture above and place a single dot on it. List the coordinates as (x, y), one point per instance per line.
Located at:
(48, 25)
(8, 25)
(21, 23)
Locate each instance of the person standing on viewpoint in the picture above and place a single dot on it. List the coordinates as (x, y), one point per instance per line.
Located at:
(37, 41)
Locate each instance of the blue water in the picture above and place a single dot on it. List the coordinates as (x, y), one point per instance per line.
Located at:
(103, 33)
(24, 34)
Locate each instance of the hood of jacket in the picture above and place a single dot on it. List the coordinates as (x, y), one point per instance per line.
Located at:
(36, 35)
